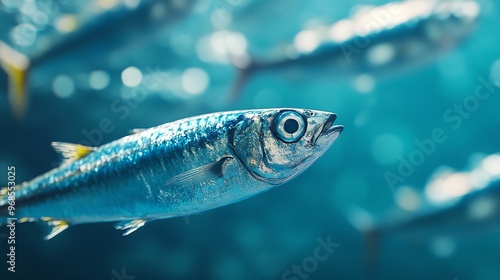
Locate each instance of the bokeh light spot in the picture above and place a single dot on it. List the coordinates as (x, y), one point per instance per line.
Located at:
(98, 80)
(307, 41)
(66, 23)
(443, 247)
(381, 54)
(364, 83)
(63, 86)
(495, 73)
(131, 76)
(407, 198)
(195, 80)
(482, 208)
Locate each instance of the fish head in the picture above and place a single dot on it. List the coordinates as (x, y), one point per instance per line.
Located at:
(275, 145)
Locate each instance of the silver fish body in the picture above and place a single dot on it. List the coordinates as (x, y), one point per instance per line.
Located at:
(474, 213)
(179, 168)
(459, 205)
(377, 41)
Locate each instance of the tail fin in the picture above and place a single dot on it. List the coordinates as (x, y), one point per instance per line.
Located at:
(16, 65)
(365, 223)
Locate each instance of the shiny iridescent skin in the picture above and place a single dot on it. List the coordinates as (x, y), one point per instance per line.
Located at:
(178, 168)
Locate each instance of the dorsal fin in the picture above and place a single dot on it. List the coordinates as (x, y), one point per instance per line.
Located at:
(71, 152)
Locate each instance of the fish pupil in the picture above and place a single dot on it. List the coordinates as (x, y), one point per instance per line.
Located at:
(291, 126)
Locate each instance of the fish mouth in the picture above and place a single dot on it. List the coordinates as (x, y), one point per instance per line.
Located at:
(328, 129)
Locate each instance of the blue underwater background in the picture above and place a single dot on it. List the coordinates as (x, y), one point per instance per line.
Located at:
(99, 95)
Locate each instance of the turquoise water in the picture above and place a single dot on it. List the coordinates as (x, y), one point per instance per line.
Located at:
(273, 235)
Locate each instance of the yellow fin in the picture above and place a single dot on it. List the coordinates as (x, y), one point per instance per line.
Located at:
(4, 194)
(71, 152)
(27, 219)
(53, 227)
(16, 65)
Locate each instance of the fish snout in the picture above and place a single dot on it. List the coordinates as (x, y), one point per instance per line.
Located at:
(327, 130)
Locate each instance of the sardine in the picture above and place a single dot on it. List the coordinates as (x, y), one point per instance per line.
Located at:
(176, 169)
(115, 28)
(375, 41)
(460, 205)
(476, 212)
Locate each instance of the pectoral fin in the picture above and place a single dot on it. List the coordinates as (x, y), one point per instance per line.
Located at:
(203, 173)
(52, 228)
(130, 226)
(16, 65)
(71, 152)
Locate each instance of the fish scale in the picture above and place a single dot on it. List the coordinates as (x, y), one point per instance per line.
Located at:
(175, 169)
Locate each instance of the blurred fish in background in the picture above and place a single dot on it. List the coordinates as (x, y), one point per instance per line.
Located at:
(395, 72)
(119, 25)
(453, 206)
(375, 40)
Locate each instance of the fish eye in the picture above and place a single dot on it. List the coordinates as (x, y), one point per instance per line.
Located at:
(290, 126)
